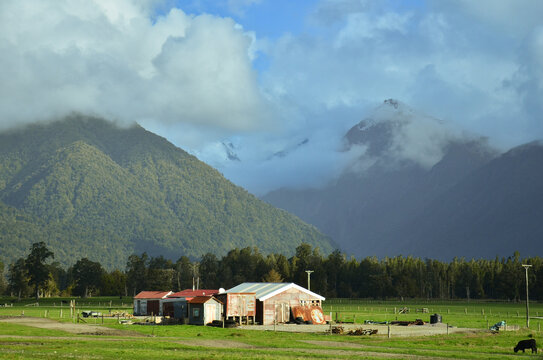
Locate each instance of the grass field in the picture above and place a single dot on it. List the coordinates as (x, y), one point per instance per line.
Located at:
(473, 314)
(197, 342)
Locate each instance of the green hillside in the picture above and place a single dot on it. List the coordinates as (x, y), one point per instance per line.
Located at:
(91, 189)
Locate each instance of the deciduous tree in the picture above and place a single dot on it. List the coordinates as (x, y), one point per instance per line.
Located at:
(38, 271)
(18, 278)
(87, 276)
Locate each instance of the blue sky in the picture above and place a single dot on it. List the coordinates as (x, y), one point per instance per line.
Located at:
(264, 75)
(267, 18)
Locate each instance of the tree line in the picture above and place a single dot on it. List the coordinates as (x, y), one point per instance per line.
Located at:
(333, 275)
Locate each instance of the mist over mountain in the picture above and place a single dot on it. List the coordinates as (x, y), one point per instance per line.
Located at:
(424, 189)
(91, 189)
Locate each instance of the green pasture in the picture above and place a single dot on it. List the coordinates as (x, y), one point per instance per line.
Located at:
(59, 308)
(473, 314)
(198, 342)
(194, 342)
(100, 301)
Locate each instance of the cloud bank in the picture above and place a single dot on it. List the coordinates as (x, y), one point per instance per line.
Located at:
(114, 59)
(202, 78)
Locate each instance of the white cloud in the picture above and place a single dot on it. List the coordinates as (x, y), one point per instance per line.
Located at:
(238, 7)
(110, 59)
(470, 63)
(330, 12)
(511, 18)
(191, 77)
(362, 26)
(478, 69)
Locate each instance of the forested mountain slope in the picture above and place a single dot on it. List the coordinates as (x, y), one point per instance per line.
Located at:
(91, 189)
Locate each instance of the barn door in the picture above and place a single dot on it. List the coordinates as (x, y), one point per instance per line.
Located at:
(282, 312)
(153, 307)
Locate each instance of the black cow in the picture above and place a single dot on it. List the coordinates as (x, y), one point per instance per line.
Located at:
(526, 344)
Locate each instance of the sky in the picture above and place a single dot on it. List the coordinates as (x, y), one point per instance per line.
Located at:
(262, 76)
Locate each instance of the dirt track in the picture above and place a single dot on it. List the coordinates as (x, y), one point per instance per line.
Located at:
(89, 329)
(80, 329)
(334, 347)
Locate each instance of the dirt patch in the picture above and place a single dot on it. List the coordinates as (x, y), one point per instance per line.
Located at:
(333, 344)
(395, 331)
(80, 329)
(216, 344)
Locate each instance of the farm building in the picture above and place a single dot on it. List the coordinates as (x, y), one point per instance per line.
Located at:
(176, 304)
(149, 302)
(240, 307)
(276, 301)
(204, 309)
(190, 293)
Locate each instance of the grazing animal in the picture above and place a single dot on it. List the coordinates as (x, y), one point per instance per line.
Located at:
(526, 344)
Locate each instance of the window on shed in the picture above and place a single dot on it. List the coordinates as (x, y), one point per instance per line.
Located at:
(195, 312)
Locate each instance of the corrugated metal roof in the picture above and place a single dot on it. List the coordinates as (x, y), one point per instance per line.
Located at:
(264, 291)
(152, 294)
(193, 293)
(260, 289)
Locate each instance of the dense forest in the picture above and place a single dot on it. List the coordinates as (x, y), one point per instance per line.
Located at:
(334, 275)
(88, 188)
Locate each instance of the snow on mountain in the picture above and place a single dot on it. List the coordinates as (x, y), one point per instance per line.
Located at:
(397, 132)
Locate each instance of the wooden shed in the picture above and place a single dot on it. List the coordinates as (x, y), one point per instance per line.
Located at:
(274, 301)
(204, 309)
(149, 302)
(176, 304)
(239, 307)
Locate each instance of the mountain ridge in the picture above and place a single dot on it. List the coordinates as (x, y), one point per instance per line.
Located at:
(91, 189)
(398, 199)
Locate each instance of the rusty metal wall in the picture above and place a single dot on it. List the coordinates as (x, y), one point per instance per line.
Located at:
(242, 304)
(278, 307)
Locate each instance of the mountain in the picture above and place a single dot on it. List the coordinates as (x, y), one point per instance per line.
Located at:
(423, 189)
(498, 208)
(285, 152)
(91, 189)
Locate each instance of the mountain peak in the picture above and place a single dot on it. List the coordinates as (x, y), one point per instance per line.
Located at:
(396, 131)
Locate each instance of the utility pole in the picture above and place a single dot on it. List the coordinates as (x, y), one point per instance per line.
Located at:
(526, 267)
(309, 279)
(194, 266)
